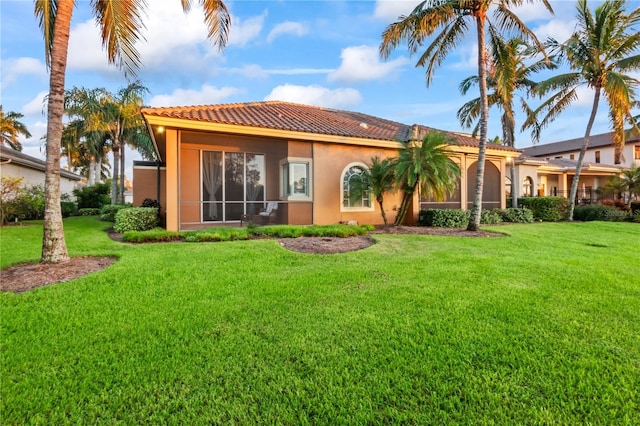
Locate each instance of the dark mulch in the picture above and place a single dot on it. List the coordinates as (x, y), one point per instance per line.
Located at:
(25, 277)
(19, 278)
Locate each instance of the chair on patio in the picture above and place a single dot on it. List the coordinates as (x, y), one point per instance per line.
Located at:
(267, 215)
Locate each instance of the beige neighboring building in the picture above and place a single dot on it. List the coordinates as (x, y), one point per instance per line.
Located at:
(548, 169)
(220, 164)
(17, 164)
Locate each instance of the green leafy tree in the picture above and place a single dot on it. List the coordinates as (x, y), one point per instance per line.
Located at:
(11, 128)
(120, 23)
(601, 53)
(451, 19)
(512, 65)
(626, 186)
(427, 166)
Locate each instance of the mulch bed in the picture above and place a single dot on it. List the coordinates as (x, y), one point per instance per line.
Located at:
(20, 278)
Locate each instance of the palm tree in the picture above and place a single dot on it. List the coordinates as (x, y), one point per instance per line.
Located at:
(510, 72)
(378, 179)
(11, 127)
(600, 53)
(120, 23)
(453, 18)
(427, 166)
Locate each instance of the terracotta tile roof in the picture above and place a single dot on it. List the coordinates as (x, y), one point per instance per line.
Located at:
(570, 145)
(304, 118)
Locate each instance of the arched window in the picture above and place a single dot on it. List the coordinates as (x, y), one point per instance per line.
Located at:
(527, 187)
(355, 188)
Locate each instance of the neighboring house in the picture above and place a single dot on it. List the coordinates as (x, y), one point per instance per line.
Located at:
(16, 164)
(553, 177)
(599, 151)
(555, 164)
(221, 163)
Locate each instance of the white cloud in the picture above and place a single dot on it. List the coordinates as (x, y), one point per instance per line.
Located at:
(532, 11)
(207, 95)
(36, 106)
(171, 40)
(300, 71)
(255, 71)
(362, 63)
(242, 32)
(468, 58)
(315, 95)
(555, 28)
(294, 28)
(391, 10)
(14, 68)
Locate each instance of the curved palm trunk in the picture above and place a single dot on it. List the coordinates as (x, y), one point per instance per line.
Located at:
(404, 205)
(54, 247)
(587, 135)
(380, 200)
(476, 210)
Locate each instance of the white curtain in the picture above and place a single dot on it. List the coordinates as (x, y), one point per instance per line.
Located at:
(212, 178)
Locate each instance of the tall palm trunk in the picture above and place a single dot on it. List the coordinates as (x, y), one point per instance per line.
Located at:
(122, 175)
(54, 247)
(587, 135)
(476, 210)
(98, 176)
(91, 179)
(115, 174)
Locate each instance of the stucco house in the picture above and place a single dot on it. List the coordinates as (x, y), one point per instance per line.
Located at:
(220, 164)
(32, 170)
(549, 169)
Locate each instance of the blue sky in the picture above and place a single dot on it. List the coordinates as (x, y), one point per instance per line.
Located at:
(321, 53)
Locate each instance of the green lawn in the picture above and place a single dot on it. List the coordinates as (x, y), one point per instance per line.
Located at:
(540, 327)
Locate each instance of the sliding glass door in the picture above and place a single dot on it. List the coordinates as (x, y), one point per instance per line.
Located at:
(232, 185)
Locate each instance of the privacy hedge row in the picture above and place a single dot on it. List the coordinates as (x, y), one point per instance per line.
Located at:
(136, 219)
(546, 209)
(458, 218)
(599, 212)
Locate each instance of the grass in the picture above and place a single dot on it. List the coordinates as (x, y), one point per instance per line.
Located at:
(540, 327)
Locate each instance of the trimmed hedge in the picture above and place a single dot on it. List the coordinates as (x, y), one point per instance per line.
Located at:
(90, 211)
(546, 209)
(68, 208)
(444, 218)
(516, 215)
(94, 196)
(490, 217)
(108, 213)
(599, 212)
(136, 219)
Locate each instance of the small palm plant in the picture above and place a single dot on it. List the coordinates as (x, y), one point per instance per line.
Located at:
(378, 179)
(427, 166)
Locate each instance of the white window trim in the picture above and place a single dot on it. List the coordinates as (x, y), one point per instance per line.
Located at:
(354, 209)
(300, 160)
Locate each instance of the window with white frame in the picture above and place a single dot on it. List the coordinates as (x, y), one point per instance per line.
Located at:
(356, 191)
(295, 176)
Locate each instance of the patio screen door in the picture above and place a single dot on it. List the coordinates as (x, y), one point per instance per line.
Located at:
(232, 185)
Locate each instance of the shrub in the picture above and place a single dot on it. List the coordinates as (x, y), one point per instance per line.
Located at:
(446, 218)
(618, 204)
(29, 204)
(490, 217)
(94, 196)
(547, 209)
(89, 212)
(68, 208)
(635, 207)
(149, 202)
(153, 235)
(599, 212)
(136, 219)
(108, 213)
(516, 215)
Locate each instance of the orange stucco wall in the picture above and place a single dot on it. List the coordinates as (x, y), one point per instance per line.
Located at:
(330, 161)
